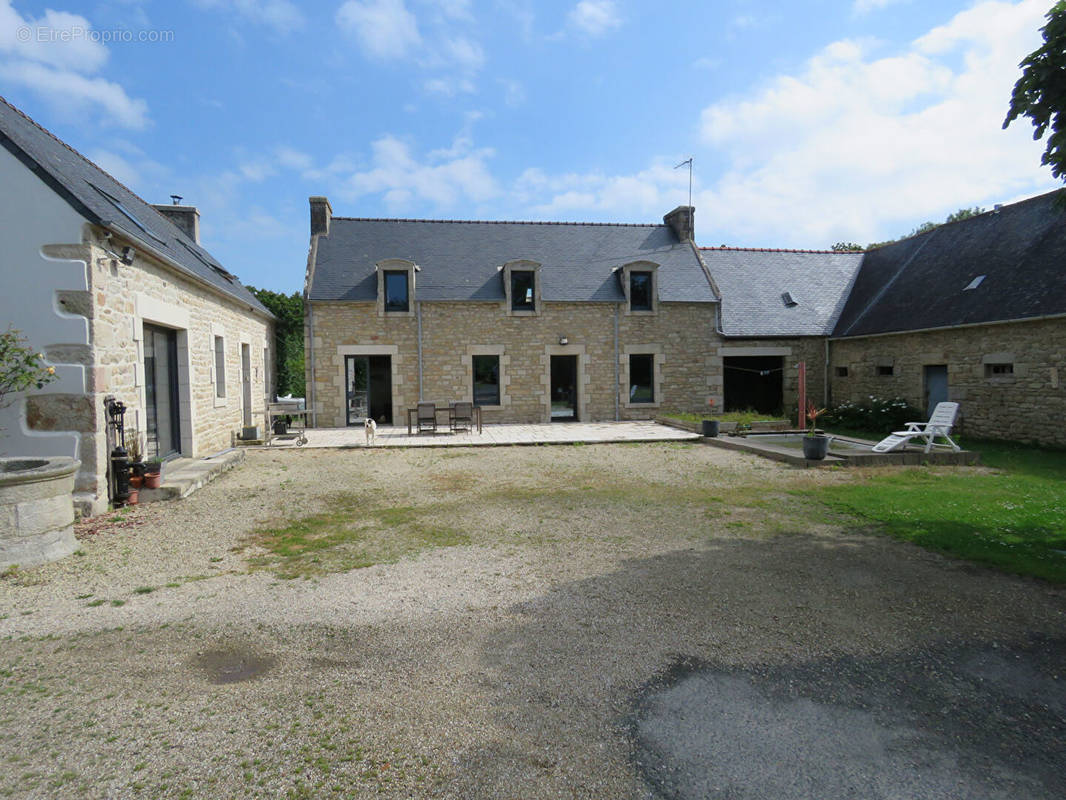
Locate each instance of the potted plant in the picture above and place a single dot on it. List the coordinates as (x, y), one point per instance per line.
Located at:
(815, 443)
(153, 473)
(135, 455)
(710, 426)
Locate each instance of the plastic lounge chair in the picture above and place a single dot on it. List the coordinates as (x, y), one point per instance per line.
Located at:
(427, 417)
(462, 417)
(939, 424)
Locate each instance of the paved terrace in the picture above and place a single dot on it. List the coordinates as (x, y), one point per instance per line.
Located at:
(492, 435)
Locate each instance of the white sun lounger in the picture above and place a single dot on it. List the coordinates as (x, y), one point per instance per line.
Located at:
(939, 424)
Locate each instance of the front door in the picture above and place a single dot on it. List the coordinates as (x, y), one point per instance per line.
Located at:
(162, 416)
(564, 388)
(936, 386)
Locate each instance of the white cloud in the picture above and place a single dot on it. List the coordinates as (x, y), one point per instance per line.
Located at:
(443, 179)
(595, 17)
(859, 143)
(384, 29)
(70, 93)
(281, 15)
(644, 195)
(56, 56)
(866, 6)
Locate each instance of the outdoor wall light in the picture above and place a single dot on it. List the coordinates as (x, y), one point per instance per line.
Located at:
(563, 340)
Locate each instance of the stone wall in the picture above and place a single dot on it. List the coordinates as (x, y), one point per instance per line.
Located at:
(1027, 405)
(809, 349)
(120, 300)
(680, 335)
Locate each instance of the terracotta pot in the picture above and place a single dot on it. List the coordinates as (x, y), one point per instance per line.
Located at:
(135, 481)
(134, 497)
(152, 480)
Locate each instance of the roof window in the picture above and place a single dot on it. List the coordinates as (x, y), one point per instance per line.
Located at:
(974, 283)
(125, 212)
(788, 300)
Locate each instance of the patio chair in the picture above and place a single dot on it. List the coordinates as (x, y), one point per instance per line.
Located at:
(462, 416)
(427, 417)
(939, 424)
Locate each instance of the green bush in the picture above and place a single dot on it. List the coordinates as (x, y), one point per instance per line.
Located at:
(873, 414)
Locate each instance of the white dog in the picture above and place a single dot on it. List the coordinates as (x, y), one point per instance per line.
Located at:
(371, 431)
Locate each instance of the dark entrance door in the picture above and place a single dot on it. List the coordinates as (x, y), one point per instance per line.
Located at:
(936, 386)
(162, 418)
(368, 389)
(564, 388)
(754, 383)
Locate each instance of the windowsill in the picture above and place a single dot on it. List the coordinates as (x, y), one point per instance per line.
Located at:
(524, 312)
(641, 405)
(642, 312)
(220, 402)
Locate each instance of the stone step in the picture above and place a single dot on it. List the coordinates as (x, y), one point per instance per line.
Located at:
(183, 476)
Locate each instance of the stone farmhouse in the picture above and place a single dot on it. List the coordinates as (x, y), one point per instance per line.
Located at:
(534, 322)
(972, 311)
(125, 303)
(541, 322)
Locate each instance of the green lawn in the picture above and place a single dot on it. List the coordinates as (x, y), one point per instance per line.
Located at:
(1013, 518)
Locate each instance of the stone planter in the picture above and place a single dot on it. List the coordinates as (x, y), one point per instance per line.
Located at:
(36, 510)
(710, 427)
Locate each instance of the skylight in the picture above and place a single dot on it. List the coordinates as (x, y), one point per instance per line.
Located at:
(974, 283)
(788, 300)
(125, 211)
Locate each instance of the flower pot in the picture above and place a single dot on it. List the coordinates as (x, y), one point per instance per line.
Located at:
(136, 481)
(710, 427)
(134, 497)
(152, 480)
(815, 447)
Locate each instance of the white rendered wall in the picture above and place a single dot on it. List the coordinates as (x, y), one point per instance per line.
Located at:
(33, 215)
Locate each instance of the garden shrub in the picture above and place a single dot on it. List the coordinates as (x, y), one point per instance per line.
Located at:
(873, 414)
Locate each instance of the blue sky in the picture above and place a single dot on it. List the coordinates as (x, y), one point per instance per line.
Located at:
(809, 122)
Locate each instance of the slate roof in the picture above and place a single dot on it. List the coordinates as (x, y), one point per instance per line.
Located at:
(920, 282)
(459, 260)
(752, 282)
(104, 201)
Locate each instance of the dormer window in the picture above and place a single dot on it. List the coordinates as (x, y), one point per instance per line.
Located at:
(640, 291)
(640, 285)
(397, 297)
(521, 287)
(396, 286)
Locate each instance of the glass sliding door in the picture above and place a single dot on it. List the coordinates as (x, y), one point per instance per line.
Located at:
(162, 409)
(357, 391)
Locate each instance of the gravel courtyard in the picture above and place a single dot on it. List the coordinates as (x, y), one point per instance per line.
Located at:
(544, 622)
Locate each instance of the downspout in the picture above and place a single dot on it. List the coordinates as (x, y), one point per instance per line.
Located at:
(825, 379)
(311, 348)
(617, 377)
(418, 315)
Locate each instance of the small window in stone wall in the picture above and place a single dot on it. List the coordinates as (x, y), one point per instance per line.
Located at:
(841, 372)
(998, 370)
(885, 370)
(220, 367)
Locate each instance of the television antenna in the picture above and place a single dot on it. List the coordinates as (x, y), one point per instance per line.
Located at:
(689, 162)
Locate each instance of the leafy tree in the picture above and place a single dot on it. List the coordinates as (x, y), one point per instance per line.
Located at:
(847, 247)
(288, 338)
(1040, 93)
(925, 227)
(21, 367)
(964, 213)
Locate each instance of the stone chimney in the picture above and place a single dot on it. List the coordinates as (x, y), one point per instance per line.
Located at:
(683, 221)
(321, 214)
(185, 217)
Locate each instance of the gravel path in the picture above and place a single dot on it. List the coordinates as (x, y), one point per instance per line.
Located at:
(518, 665)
